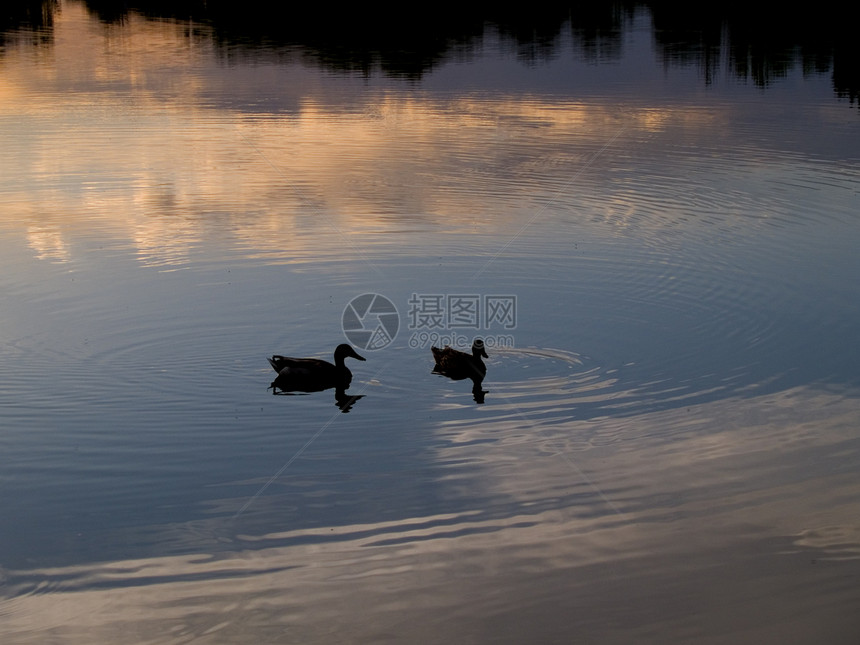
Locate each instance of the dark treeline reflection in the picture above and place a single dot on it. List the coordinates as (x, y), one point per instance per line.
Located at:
(754, 42)
(34, 16)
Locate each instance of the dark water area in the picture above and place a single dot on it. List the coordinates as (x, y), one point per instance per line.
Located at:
(647, 212)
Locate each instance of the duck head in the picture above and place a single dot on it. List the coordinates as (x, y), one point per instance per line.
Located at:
(343, 351)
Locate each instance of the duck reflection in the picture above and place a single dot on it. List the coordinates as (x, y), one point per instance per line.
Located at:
(304, 375)
(458, 366)
(345, 401)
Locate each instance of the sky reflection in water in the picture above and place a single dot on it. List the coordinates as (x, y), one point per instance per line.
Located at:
(668, 453)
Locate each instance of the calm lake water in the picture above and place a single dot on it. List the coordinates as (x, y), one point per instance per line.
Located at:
(661, 256)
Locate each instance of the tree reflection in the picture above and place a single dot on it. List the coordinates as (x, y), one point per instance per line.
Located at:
(33, 18)
(759, 46)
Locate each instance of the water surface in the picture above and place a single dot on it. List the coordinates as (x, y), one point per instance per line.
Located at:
(666, 450)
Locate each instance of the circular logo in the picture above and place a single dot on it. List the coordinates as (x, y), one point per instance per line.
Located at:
(370, 321)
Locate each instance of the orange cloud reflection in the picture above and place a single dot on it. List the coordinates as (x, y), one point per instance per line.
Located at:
(139, 134)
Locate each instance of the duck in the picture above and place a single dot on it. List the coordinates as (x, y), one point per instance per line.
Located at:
(459, 365)
(313, 374)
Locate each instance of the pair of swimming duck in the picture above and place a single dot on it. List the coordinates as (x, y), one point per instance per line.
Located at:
(315, 375)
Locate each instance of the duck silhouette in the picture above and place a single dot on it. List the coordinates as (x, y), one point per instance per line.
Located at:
(458, 365)
(312, 374)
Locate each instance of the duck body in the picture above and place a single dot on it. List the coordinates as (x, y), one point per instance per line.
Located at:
(312, 374)
(459, 365)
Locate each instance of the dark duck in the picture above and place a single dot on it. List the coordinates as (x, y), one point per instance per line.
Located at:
(312, 374)
(459, 365)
